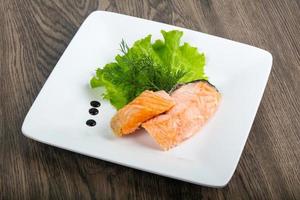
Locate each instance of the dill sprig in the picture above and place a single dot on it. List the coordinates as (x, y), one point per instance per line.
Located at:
(145, 74)
(124, 47)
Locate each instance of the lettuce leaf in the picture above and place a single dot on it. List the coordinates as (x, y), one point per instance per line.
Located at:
(147, 66)
(185, 56)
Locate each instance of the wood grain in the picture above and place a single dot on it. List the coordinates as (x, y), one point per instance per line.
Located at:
(33, 36)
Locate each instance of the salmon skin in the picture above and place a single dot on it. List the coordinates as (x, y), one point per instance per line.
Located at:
(195, 103)
(147, 105)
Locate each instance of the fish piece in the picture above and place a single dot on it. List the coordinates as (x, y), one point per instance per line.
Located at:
(147, 105)
(195, 103)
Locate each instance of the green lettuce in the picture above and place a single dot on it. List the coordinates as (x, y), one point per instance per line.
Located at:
(147, 66)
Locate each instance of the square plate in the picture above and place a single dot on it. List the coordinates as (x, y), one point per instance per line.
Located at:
(58, 115)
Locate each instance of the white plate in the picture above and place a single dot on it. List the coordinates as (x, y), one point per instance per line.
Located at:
(58, 115)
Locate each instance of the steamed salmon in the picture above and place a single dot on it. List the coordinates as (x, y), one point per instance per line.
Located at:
(147, 105)
(195, 103)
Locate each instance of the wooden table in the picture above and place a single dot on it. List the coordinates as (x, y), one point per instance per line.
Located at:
(33, 36)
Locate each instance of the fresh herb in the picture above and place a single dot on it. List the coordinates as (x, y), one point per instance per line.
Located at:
(146, 66)
(124, 47)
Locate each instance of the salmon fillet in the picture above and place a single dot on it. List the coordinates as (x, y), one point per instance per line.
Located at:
(147, 105)
(195, 103)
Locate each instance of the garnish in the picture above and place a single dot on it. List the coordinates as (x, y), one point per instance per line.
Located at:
(146, 66)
